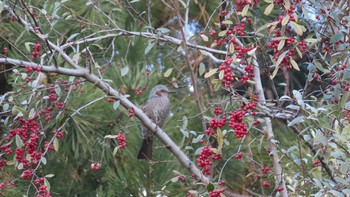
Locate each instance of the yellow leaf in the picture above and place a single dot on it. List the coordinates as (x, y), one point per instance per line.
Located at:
(285, 20)
(204, 37)
(287, 4)
(274, 73)
(168, 72)
(210, 73)
(222, 33)
(221, 74)
(281, 44)
(220, 138)
(251, 52)
(231, 48)
(251, 82)
(245, 10)
(294, 64)
(227, 22)
(268, 9)
(299, 52)
(281, 57)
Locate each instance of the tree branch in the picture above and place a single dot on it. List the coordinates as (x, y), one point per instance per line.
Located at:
(279, 179)
(146, 121)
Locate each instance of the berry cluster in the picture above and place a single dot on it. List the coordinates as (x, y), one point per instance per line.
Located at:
(217, 123)
(6, 50)
(205, 157)
(217, 111)
(36, 53)
(265, 170)
(110, 100)
(121, 140)
(138, 91)
(216, 193)
(131, 112)
(236, 118)
(27, 174)
(266, 184)
(228, 75)
(29, 69)
(95, 166)
(43, 192)
(242, 3)
(249, 73)
(239, 155)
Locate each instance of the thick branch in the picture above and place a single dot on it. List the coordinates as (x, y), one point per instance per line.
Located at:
(164, 138)
(279, 179)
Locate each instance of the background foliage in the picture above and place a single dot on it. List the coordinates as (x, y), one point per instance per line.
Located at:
(314, 93)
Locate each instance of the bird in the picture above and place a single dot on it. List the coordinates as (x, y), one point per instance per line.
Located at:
(157, 108)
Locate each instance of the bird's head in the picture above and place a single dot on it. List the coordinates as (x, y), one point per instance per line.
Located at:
(158, 91)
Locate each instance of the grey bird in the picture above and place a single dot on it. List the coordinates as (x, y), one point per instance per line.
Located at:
(157, 108)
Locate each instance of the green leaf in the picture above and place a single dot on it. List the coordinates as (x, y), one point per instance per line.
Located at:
(297, 28)
(115, 150)
(6, 106)
(116, 104)
(210, 73)
(31, 113)
(266, 26)
(20, 166)
(163, 30)
(58, 90)
(310, 40)
(210, 187)
(56, 144)
(49, 175)
(175, 179)
(197, 139)
(298, 96)
(43, 160)
(111, 136)
(268, 9)
(168, 72)
(47, 184)
(295, 121)
(124, 71)
(216, 83)
(149, 47)
(201, 69)
(19, 142)
(336, 37)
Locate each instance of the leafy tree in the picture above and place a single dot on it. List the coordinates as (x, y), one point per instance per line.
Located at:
(261, 104)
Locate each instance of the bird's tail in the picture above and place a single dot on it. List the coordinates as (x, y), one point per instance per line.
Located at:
(146, 150)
